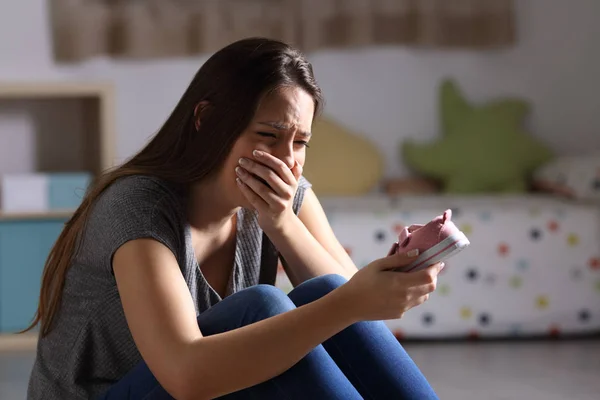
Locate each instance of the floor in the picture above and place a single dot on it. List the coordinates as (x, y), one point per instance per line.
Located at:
(516, 370)
(459, 371)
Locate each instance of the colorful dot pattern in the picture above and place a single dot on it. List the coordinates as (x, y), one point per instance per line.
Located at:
(523, 264)
(516, 282)
(443, 289)
(576, 273)
(530, 270)
(467, 229)
(466, 313)
(542, 302)
(573, 239)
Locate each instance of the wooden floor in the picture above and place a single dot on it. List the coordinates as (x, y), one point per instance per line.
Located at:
(552, 370)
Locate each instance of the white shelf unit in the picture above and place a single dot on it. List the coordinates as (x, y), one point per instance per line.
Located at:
(74, 128)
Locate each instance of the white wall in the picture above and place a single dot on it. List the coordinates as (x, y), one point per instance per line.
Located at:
(388, 94)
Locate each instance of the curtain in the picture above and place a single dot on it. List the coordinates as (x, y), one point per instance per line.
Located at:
(174, 28)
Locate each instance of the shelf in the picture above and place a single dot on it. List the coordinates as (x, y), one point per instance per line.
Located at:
(18, 342)
(17, 216)
(47, 128)
(79, 113)
(54, 89)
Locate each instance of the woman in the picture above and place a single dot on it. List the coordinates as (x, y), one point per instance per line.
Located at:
(161, 284)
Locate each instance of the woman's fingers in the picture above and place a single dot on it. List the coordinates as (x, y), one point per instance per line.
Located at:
(254, 199)
(267, 177)
(297, 171)
(397, 260)
(426, 280)
(270, 177)
(426, 275)
(414, 288)
(422, 299)
(275, 164)
(259, 190)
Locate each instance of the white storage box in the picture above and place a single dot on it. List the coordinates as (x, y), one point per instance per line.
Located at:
(42, 192)
(24, 193)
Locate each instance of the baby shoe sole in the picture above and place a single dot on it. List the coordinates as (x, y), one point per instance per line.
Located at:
(445, 249)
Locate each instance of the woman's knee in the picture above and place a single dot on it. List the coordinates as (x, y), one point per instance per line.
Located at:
(325, 283)
(267, 301)
(243, 308)
(316, 288)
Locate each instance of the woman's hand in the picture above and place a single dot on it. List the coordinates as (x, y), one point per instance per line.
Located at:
(270, 186)
(376, 293)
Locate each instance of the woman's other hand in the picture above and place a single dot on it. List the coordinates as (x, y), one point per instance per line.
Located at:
(376, 293)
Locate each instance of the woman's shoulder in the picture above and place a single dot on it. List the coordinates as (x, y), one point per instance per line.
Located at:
(303, 183)
(140, 186)
(139, 192)
(138, 198)
(303, 186)
(132, 207)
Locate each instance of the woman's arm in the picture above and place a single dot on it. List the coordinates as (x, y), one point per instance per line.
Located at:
(161, 317)
(308, 245)
(313, 217)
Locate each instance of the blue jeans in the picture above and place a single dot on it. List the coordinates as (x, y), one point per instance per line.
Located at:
(364, 361)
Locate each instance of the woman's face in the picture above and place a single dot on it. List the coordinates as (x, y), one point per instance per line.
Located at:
(281, 126)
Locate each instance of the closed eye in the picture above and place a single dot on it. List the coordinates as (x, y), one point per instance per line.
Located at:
(302, 143)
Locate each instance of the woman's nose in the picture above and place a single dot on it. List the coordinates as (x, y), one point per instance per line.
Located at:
(286, 155)
(289, 161)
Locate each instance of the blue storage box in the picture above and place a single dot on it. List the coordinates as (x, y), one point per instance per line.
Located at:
(66, 190)
(24, 248)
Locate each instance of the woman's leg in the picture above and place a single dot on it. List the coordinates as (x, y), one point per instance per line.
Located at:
(316, 376)
(367, 352)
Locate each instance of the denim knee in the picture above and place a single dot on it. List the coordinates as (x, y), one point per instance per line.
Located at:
(325, 283)
(316, 288)
(266, 301)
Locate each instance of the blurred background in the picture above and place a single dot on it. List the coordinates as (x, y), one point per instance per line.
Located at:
(486, 107)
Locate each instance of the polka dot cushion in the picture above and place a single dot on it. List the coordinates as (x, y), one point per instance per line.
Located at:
(533, 267)
(574, 176)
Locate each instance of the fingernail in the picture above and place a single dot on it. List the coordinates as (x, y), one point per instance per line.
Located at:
(239, 171)
(443, 265)
(243, 161)
(413, 253)
(238, 181)
(257, 153)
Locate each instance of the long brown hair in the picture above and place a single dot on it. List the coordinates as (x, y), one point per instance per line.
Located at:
(232, 83)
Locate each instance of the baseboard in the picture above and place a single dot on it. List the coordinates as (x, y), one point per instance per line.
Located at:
(18, 342)
(500, 339)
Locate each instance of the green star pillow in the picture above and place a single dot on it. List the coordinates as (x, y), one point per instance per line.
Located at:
(483, 148)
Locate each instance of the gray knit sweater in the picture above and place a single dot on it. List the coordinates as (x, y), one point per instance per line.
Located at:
(90, 346)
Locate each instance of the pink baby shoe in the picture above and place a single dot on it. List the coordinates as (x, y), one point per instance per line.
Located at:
(436, 241)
